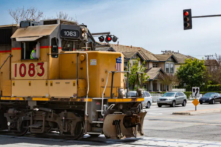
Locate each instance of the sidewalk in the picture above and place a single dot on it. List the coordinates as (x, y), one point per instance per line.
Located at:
(193, 112)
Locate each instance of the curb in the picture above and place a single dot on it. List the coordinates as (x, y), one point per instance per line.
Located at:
(205, 111)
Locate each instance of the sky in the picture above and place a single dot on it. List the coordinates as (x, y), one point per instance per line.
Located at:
(155, 25)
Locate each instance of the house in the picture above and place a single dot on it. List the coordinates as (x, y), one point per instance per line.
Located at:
(167, 62)
(179, 57)
(155, 68)
(211, 65)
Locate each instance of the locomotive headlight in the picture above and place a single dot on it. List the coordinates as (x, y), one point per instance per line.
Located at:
(83, 35)
(82, 29)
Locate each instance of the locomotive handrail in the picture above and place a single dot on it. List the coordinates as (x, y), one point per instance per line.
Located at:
(102, 102)
(5, 61)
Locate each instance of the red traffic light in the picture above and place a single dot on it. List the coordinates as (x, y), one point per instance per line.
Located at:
(101, 38)
(186, 13)
(187, 19)
(108, 38)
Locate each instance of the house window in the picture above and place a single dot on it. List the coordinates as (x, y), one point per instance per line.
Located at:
(167, 68)
(171, 68)
(154, 64)
(134, 62)
(26, 49)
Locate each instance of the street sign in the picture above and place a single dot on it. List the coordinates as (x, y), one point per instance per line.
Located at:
(195, 102)
(195, 91)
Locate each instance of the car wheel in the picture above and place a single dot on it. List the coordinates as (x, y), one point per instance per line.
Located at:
(213, 101)
(184, 103)
(159, 105)
(201, 102)
(173, 104)
(148, 105)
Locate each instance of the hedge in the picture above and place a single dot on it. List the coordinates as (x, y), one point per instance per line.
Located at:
(216, 87)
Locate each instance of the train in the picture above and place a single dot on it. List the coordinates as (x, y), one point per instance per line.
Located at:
(67, 86)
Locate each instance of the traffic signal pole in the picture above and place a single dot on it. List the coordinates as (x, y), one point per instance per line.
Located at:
(218, 15)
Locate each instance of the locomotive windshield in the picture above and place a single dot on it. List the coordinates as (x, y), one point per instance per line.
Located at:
(67, 45)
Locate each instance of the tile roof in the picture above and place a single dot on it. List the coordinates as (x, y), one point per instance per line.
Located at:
(162, 57)
(179, 57)
(153, 72)
(144, 53)
(211, 63)
(129, 54)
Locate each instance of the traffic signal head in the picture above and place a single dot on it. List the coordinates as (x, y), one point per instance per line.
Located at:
(187, 19)
(101, 38)
(114, 38)
(108, 38)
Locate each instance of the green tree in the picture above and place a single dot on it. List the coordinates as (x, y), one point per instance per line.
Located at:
(134, 69)
(193, 73)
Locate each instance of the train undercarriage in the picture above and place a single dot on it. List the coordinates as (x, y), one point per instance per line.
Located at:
(68, 119)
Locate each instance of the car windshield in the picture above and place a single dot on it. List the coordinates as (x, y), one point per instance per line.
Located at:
(133, 93)
(169, 94)
(209, 94)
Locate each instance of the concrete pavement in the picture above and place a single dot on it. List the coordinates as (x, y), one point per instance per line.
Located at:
(161, 129)
(9, 141)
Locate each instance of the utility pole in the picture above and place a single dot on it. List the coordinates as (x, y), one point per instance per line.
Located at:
(208, 56)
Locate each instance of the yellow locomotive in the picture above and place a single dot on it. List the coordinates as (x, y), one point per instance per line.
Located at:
(65, 86)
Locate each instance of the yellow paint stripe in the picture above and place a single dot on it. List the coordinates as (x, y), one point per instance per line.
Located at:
(140, 99)
(12, 98)
(126, 100)
(89, 100)
(40, 99)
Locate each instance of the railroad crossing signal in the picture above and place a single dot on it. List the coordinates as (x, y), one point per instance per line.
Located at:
(101, 38)
(187, 19)
(108, 38)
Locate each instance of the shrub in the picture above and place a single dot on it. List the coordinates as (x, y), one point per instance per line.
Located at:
(214, 87)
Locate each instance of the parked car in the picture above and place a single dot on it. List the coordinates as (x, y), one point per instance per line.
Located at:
(147, 98)
(210, 97)
(172, 99)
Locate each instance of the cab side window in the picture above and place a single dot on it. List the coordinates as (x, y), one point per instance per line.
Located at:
(54, 48)
(27, 50)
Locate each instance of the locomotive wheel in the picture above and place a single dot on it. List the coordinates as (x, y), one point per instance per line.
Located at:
(24, 127)
(78, 131)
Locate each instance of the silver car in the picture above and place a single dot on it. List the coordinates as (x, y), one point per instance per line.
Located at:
(172, 99)
(147, 98)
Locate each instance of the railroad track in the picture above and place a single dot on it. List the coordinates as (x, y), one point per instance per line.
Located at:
(87, 139)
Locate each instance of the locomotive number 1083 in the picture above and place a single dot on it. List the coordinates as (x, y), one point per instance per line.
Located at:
(29, 70)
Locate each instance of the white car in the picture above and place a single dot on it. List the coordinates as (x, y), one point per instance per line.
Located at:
(147, 98)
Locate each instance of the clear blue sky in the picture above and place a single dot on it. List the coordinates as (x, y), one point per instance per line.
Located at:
(152, 24)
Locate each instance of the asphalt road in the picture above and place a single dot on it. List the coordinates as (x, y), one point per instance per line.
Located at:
(161, 129)
(160, 122)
